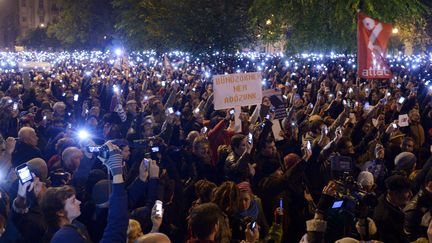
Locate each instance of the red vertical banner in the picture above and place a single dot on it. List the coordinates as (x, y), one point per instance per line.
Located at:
(372, 39)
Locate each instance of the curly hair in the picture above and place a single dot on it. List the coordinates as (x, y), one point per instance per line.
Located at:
(226, 196)
(204, 190)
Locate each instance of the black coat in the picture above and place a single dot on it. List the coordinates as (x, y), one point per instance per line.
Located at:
(390, 222)
(414, 211)
(237, 167)
(24, 152)
(196, 169)
(290, 189)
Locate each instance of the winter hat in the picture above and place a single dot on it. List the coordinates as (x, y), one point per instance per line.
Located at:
(244, 187)
(39, 168)
(396, 135)
(100, 192)
(405, 161)
(365, 179)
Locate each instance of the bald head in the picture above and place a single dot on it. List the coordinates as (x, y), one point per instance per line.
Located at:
(71, 158)
(153, 238)
(39, 167)
(28, 135)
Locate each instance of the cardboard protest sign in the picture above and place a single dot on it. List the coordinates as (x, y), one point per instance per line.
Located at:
(240, 89)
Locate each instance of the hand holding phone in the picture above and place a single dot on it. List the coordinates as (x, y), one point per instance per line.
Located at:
(250, 138)
(24, 173)
(159, 208)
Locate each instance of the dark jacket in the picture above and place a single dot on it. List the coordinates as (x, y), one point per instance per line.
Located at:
(118, 221)
(414, 211)
(389, 221)
(196, 169)
(237, 167)
(24, 152)
(289, 188)
(255, 213)
(31, 224)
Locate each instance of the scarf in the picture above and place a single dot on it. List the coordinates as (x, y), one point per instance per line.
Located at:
(251, 212)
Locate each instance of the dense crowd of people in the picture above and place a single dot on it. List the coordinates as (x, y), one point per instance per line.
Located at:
(117, 147)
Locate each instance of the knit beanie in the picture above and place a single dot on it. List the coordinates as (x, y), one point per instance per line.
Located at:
(244, 187)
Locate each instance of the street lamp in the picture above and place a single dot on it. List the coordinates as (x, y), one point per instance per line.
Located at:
(268, 22)
(395, 30)
(42, 25)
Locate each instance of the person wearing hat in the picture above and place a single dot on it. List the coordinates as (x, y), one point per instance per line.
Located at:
(133, 117)
(388, 214)
(250, 210)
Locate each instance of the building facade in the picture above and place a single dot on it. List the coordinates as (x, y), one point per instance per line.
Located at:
(9, 26)
(36, 13)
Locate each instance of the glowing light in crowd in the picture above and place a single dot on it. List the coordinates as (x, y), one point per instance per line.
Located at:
(83, 134)
(395, 30)
(118, 51)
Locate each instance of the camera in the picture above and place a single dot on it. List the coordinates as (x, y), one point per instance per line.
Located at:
(341, 166)
(352, 199)
(59, 178)
(102, 151)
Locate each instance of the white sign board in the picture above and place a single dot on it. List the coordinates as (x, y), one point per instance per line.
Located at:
(403, 120)
(240, 89)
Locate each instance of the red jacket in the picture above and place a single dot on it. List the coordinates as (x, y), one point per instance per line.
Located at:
(219, 136)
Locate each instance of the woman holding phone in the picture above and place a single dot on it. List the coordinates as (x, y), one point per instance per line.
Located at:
(249, 212)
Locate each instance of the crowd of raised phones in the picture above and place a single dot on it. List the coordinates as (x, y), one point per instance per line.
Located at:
(127, 147)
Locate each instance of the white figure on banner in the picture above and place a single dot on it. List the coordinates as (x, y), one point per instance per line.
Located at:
(377, 52)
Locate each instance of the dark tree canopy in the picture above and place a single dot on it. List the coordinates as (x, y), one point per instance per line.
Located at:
(320, 25)
(229, 25)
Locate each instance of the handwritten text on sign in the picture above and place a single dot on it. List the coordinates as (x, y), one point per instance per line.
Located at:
(240, 89)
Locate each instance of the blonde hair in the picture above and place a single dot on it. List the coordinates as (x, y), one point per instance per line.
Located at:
(134, 231)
